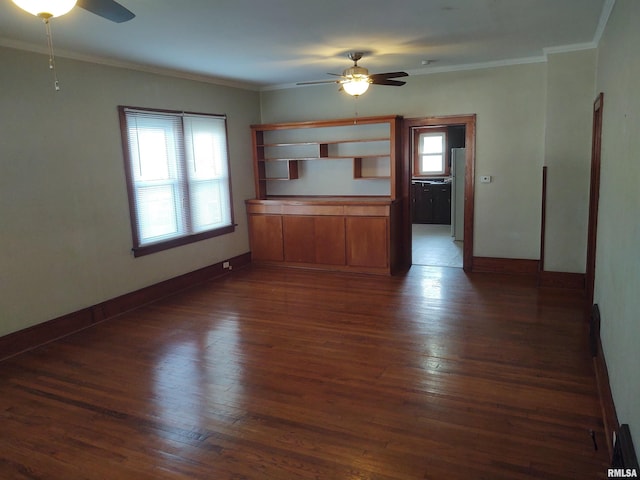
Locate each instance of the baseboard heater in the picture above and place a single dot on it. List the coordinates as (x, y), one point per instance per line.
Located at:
(624, 455)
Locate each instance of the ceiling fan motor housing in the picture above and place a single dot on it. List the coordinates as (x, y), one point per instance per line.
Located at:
(355, 72)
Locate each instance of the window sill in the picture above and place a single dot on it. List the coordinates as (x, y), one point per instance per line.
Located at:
(177, 242)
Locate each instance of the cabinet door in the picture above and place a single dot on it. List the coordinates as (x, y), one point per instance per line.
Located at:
(367, 241)
(423, 206)
(318, 240)
(415, 202)
(299, 239)
(442, 205)
(266, 237)
(330, 240)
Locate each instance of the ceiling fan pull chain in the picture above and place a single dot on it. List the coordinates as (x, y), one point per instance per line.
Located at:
(52, 60)
(355, 103)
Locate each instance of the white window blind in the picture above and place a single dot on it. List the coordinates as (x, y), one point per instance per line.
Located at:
(178, 172)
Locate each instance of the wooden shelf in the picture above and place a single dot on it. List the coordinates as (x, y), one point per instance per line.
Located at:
(330, 157)
(290, 172)
(331, 142)
(291, 159)
(362, 171)
(325, 153)
(371, 177)
(370, 143)
(288, 144)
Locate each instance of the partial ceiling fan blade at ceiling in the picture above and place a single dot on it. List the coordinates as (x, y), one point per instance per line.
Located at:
(108, 9)
(387, 81)
(383, 76)
(317, 82)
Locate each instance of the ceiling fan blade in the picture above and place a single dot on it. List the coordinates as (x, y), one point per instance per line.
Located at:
(377, 76)
(387, 81)
(318, 82)
(108, 9)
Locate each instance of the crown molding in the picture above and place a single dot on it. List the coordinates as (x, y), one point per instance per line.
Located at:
(433, 70)
(576, 47)
(604, 18)
(109, 62)
(607, 8)
(478, 66)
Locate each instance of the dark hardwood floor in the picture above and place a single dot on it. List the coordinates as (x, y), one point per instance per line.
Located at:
(275, 373)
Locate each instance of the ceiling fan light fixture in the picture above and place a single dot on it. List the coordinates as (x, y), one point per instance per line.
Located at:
(46, 9)
(356, 86)
(355, 80)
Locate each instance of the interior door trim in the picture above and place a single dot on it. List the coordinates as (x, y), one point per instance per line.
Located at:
(469, 122)
(594, 198)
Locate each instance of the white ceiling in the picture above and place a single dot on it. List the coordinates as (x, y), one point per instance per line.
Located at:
(275, 43)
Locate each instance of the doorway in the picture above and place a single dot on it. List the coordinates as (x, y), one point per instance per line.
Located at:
(434, 234)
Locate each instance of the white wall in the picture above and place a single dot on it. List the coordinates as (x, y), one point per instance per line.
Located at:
(510, 107)
(617, 283)
(65, 238)
(568, 123)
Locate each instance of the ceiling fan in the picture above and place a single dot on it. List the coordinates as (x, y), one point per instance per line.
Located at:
(355, 80)
(45, 9)
(108, 9)
(48, 9)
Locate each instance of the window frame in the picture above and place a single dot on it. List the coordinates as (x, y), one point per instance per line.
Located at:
(189, 237)
(417, 157)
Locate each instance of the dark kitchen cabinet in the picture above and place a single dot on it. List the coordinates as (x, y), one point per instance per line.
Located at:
(422, 198)
(431, 202)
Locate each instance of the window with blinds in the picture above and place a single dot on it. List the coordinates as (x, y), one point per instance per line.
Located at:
(177, 167)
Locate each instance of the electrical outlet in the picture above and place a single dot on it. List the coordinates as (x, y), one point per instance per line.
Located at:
(485, 179)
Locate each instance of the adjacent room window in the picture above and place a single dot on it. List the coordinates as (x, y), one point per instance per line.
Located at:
(430, 157)
(177, 167)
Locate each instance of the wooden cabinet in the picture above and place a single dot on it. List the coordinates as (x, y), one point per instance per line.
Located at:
(335, 234)
(316, 240)
(421, 198)
(442, 204)
(366, 241)
(299, 239)
(266, 237)
(431, 202)
(328, 194)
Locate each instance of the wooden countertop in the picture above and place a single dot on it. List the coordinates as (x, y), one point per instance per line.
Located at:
(322, 201)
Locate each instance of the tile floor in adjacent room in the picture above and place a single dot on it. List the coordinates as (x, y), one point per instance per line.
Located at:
(433, 245)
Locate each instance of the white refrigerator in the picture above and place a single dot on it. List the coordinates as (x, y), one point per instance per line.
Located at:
(458, 161)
